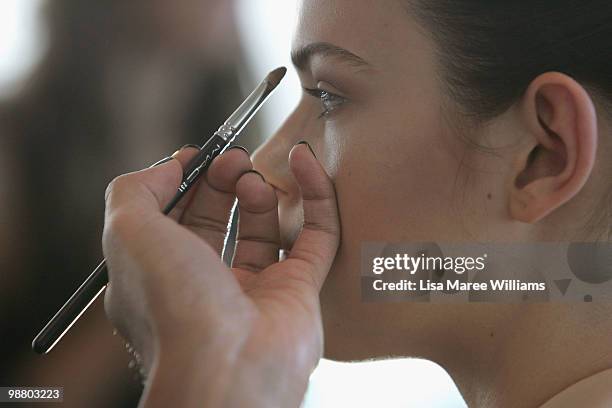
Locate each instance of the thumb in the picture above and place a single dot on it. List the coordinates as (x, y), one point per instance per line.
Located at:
(318, 241)
(145, 190)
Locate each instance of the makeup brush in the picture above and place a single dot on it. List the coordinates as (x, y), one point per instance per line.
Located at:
(95, 284)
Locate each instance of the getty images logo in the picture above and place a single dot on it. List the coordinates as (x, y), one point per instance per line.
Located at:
(422, 262)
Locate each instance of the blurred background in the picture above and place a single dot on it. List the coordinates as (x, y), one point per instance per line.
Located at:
(90, 89)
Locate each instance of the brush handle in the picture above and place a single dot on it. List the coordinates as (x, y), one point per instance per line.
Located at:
(76, 305)
(96, 282)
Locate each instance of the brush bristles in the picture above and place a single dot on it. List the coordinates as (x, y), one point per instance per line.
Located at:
(274, 77)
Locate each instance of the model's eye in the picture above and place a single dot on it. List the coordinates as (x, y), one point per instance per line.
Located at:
(329, 101)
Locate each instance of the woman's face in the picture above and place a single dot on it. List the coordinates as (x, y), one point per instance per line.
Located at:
(392, 157)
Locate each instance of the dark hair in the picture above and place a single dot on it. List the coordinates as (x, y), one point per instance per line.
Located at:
(490, 50)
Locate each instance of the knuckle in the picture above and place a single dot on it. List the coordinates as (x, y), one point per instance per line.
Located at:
(273, 241)
(114, 222)
(205, 222)
(323, 222)
(311, 257)
(248, 265)
(114, 186)
(322, 215)
(324, 226)
(116, 231)
(117, 216)
(306, 274)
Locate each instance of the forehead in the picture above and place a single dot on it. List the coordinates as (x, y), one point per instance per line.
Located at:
(370, 28)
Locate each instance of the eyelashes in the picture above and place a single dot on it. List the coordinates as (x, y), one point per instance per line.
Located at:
(329, 101)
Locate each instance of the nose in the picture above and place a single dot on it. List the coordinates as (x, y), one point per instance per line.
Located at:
(271, 158)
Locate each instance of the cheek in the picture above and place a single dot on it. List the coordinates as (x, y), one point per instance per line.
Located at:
(398, 184)
(397, 190)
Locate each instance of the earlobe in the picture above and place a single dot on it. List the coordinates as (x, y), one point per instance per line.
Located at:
(560, 118)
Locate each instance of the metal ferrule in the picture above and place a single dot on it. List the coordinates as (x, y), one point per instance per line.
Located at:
(241, 116)
(226, 132)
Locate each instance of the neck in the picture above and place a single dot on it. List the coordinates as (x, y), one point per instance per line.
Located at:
(532, 356)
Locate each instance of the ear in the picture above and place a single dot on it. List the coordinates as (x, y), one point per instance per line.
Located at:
(560, 118)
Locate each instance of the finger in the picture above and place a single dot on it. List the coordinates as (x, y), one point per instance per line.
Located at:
(138, 236)
(318, 241)
(152, 187)
(258, 239)
(184, 156)
(208, 211)
(183, 160)
(142, 246)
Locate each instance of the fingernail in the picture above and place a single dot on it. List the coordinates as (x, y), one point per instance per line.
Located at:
(258, 173)
(162, 161)
(190, 145)
(309, 147)
(239, 147)
(183, 147)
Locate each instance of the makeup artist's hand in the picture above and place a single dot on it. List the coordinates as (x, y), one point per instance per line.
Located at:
(210, 335)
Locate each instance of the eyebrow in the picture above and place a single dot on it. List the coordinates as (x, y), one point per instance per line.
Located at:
(301, 57)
